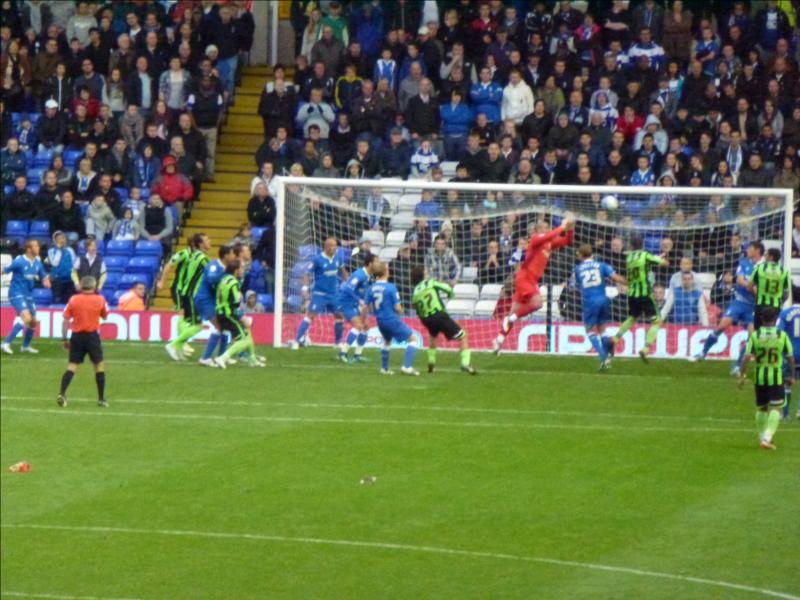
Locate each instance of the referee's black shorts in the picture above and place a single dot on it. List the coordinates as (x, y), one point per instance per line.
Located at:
(441, 322)
(82, 343)
(769, 395)
(232, 325)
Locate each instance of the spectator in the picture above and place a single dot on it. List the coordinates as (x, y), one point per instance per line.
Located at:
(787, 176)
(131, 126)
(19, 205)
(69, 219)
(158, 222)
(16, 75)
(685, 305)
(494, 168)
(456, 120)
(395, 157)
(486, 96)
(206, 106)
(409, 85)
(315, 112)
(227, 37)
(173, 85)
(441, 262)
(277, 108)
(133, 299)
(173, 187)
(13, 160)
(517, 99)
(60, 260)
(126, 228)
(52, 128)
(59, 87)
(251, 303)
(386, 68)
(90, 79)
(369, 112)
(328, 49)
(424, 159)
(422, 114)
(261, 208)
(754, 175)
(43, 67)
(80, 24)
(326, 168)
(90, 264)
(99, 218)
(348, 89)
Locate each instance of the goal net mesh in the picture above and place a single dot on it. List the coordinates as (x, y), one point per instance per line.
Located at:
(485, 233)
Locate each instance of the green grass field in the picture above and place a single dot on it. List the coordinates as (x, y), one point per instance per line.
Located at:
(537, 479)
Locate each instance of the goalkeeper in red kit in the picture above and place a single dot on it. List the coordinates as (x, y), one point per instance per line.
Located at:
(527, 297)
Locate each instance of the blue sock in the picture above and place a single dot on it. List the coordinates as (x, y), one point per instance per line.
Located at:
(14, 332)
(741, 355)
(598, 346)
(361, 339)
(351, 337)
(26, 340)
(385, 359)
(213, 339)
(607, 343)
(787, 400)
(224, 338)
(710, 341)
(338, 331)
(408, 360)
(303, 330)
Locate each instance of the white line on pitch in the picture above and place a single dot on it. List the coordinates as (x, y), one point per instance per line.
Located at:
(47, 596)
(414, 548)
(456, 409)
(343, 421)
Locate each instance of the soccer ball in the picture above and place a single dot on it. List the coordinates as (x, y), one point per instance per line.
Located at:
(609, 202)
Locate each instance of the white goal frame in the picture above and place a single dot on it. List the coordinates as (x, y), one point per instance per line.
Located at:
(282, 182)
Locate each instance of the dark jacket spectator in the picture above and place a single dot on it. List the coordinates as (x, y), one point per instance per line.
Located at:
(277, 108)
(261, 208)
(395, 157)
(422, 114)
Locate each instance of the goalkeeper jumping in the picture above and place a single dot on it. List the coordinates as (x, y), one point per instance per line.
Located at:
(430, 310)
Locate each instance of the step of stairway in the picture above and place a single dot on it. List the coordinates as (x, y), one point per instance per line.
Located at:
(241, 139)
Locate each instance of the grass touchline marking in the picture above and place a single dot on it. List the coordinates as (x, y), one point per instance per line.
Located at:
(47, 596)
(432, 408)
(342, 421)
(413, 548)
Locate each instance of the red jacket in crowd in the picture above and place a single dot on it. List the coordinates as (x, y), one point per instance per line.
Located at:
(171, 185)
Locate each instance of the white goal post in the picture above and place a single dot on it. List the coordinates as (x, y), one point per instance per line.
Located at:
(399, 220)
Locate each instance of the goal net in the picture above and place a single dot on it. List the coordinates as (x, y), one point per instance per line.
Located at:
(483, 231)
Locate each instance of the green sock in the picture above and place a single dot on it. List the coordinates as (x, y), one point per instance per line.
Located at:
(773, 420)
(237, 348)
(431, 356)
(761, 423)
(181, 326)
(626, 325)
(189, 331)
(652, 333)
(465, 355)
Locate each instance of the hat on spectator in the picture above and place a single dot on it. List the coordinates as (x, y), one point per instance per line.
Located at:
(211, 48)
(51, 104)
(423, 30)
(249, 293)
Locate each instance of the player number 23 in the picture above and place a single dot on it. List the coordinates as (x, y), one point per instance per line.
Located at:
(590, 278)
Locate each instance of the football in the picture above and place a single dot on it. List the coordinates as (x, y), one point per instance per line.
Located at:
(609, 202)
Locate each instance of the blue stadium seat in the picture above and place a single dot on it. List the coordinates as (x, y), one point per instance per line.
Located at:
(149, 248)
(17, 228)
(109, 295)
(112, 280)
(308, 252)
(119, 248)
(143, 264)
(145, 194)
(100, 248)
(8, 190)
(40, 228)
(34, 118)
(652, 243)
(123, 194)
(35, 175)
(129, 279)
(294, 302)
(117, 296)
(116, 263)
(34, 188)
(257, 233)
(343, 254)
(16, 119)
(43, 159)
(71, 158)
(267, 300)
(301, 268)
(43, 296)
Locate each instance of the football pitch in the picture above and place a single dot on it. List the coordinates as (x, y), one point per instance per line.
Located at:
(539, 478)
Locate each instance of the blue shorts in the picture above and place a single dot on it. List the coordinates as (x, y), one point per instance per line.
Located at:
(21, 303)
(740, 312)
(348, 309)
(596, 314)
(205, 309)
(394, 330)
(321, 303)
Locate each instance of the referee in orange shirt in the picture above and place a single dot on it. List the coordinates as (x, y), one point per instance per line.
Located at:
(82, 315)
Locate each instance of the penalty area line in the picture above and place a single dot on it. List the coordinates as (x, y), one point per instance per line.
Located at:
(500, 556)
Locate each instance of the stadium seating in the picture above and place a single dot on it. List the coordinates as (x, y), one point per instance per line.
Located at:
(396, 237)
(143, 264)
(491, 291)
(112, 280)
(35, 175)
(373, 237)
(388, 254)
(123, 194)
(402, 220)
(43, 296)
(466, 291)
(706, 280)
(110, 296)
(408, 202)
(34, 188)
(485, 308)
(468, 274)
(116, 263)
(257, 233)
(120, 248)
(39, 229)
(267, 300)
(17, 228)
(149, 248)
(129, 279)
(461, 308)
(308, 252)
(71, 158)
(43, 159)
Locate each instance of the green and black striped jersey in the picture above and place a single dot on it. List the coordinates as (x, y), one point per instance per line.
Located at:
(771, 281)
(769, 345)
(426, 299)
(639, 265)
(229, 296)
(193, 273)
(179, 261)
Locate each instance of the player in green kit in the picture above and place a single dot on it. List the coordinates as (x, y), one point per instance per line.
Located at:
(190, 276)
(229, 316)
(178, 263)
(430, 310)
(640, 295)
(767, 347)
(770, 283)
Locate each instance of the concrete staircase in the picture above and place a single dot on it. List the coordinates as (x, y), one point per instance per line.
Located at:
(222, 206)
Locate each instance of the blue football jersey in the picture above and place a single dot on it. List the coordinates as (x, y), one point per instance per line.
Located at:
(382, 297)
(590, 277)
(208, 284)
(326, 271)
(25, 274)
(741, 293)
(790, 323)
(355, 287)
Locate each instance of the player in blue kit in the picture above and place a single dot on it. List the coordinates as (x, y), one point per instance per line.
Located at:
(205, 302)
(590, 278)
(350, 304)
(740, 311)
(26, 270)
(789, 322)
(384, 301)
(326, 268)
